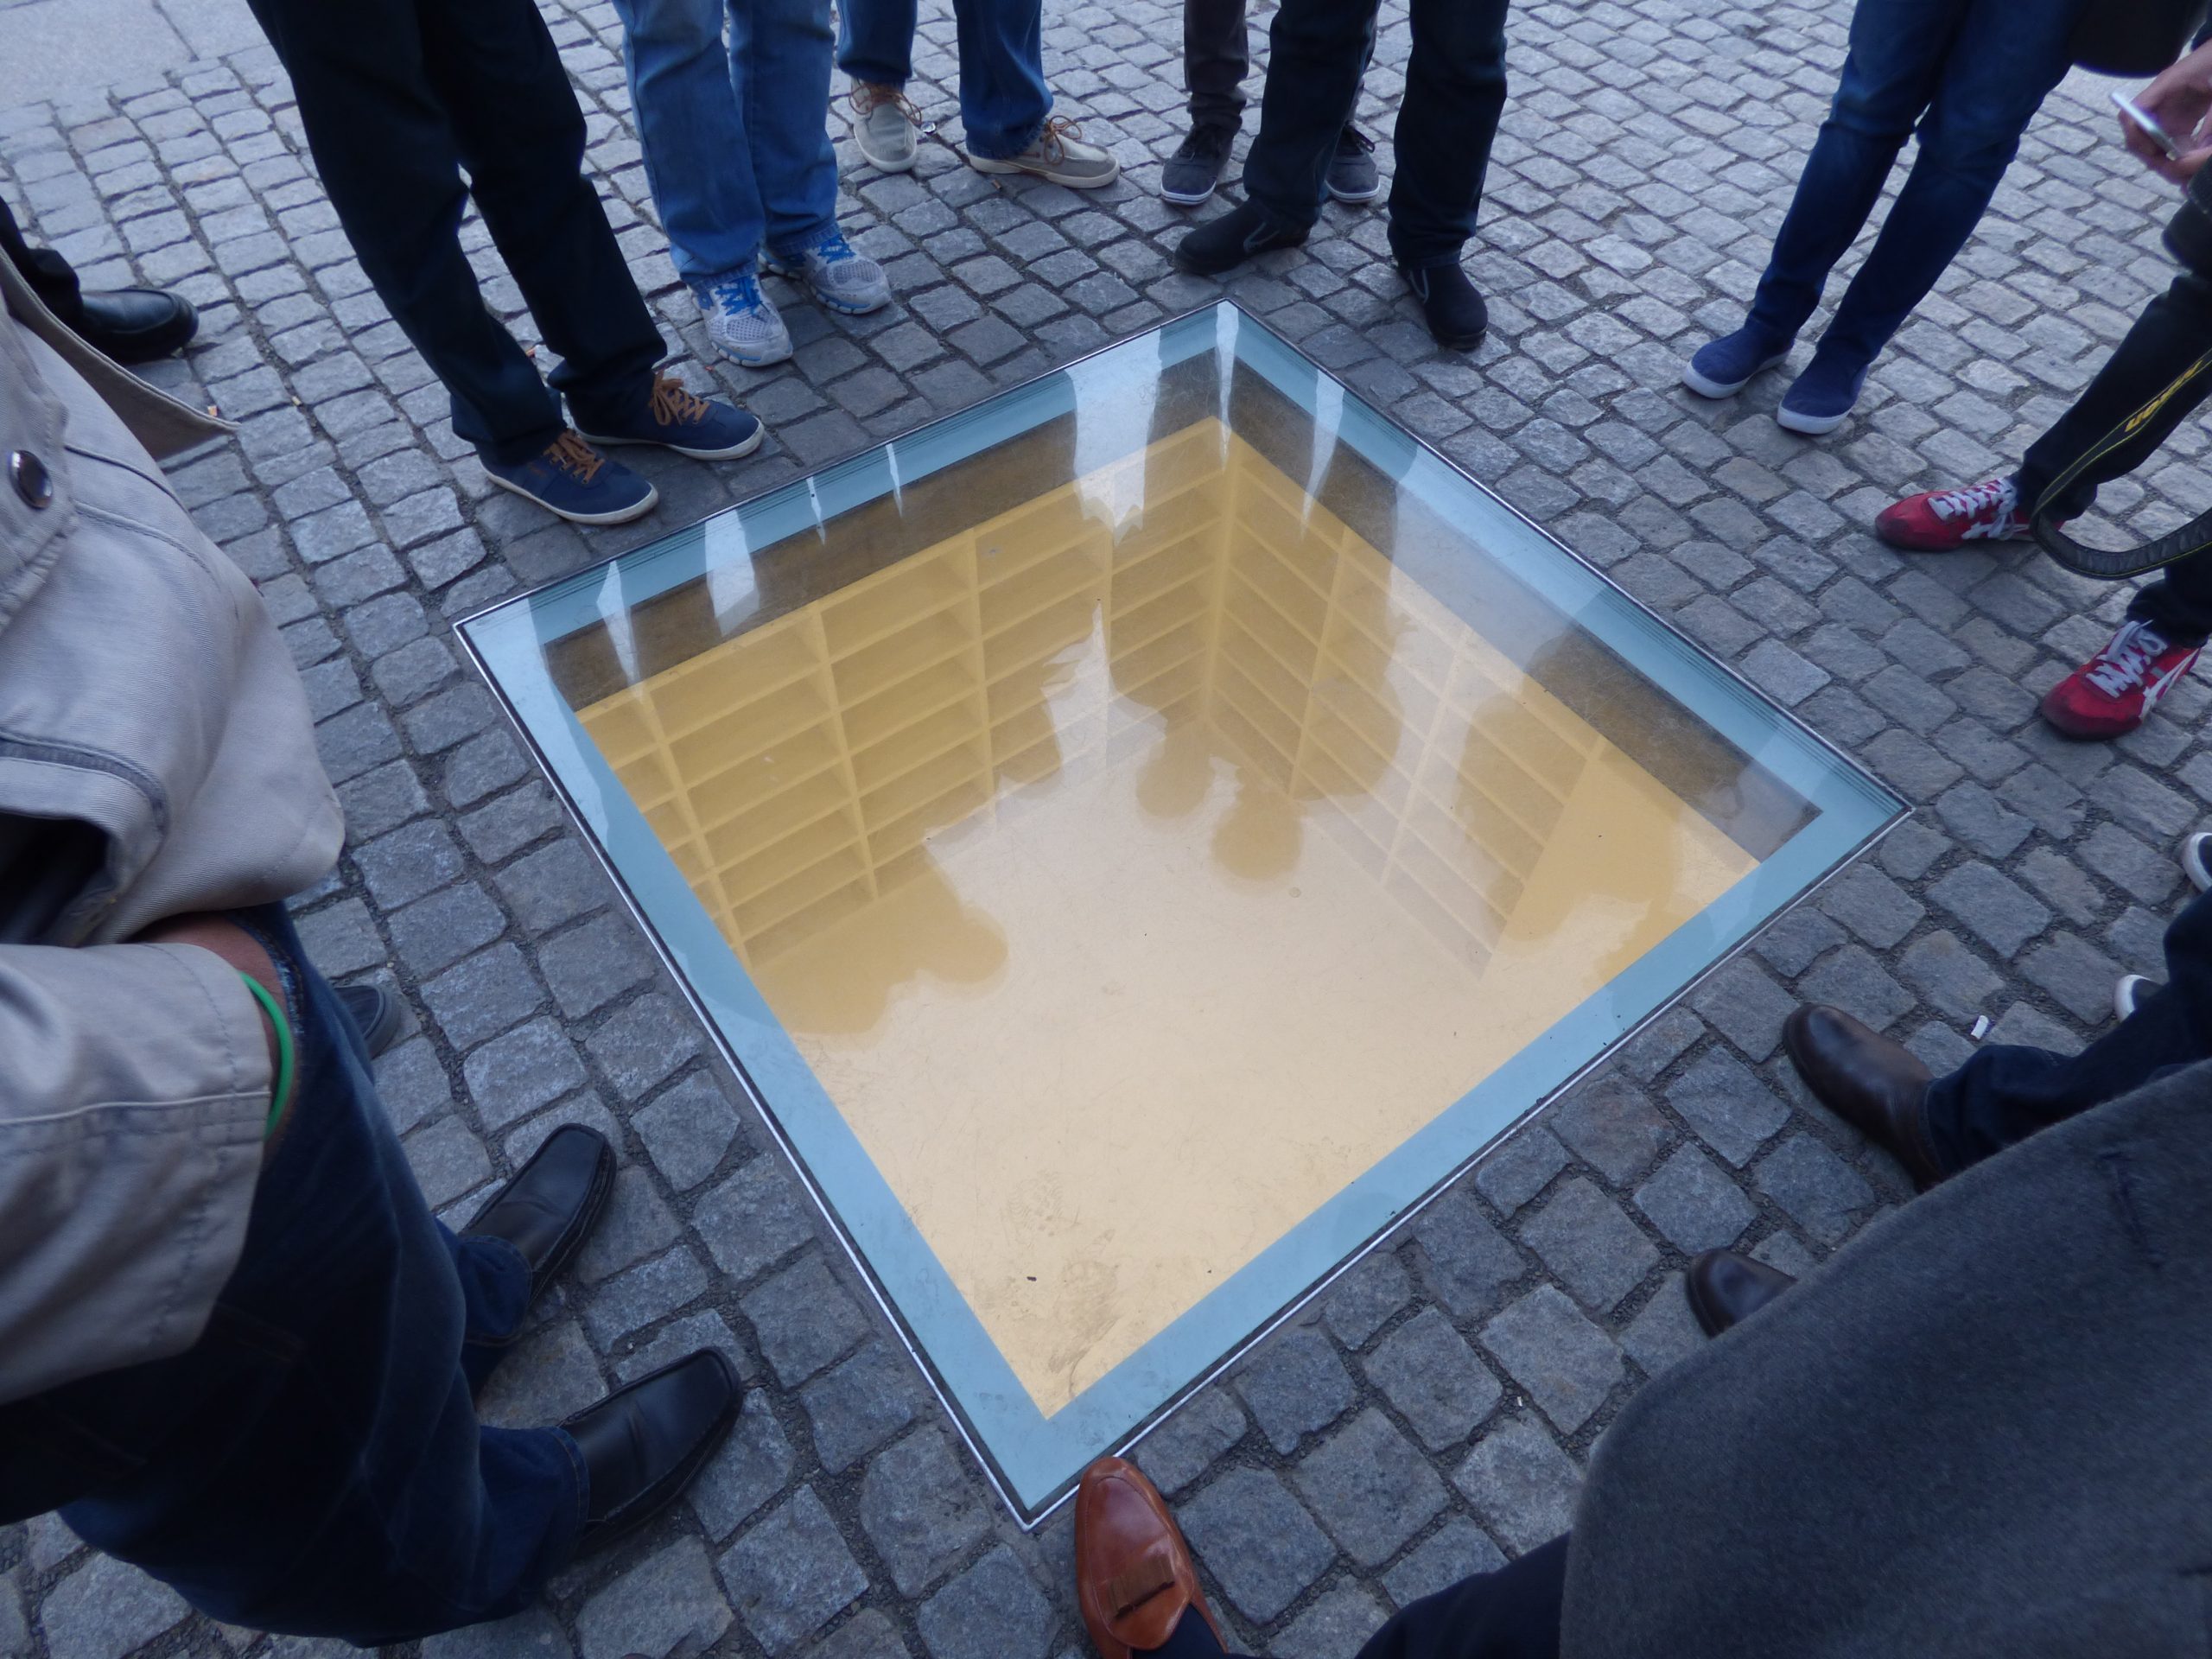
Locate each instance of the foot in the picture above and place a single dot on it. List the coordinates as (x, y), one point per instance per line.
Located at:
(2114, 691)
(2196, 848)
(1725, 1289)
(1352, 174)
(1221, 244)
(1189, 176)
(839, 279)
(555, 1200)
(377, 1012)
(1726, 367)
(1058, 157)
(1822, 399)
(742, 321)
(2131, 991)
(1134, 1576)
(642, 1444)
(137, 325)
(886, 127)
(670, 417)
(1872, 1083)
(1454, 310)
(574, 481)
(1943, 521)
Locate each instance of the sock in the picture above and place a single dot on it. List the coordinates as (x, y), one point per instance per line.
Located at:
(1192, 1638)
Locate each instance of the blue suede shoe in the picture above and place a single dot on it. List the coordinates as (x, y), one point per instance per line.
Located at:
(673, 418)
(1822, 399)
(1723, 369)
(572, 480)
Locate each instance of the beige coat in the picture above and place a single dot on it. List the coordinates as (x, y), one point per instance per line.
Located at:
(144, 692)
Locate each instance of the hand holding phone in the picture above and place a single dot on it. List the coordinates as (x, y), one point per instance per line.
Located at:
(2147, 125)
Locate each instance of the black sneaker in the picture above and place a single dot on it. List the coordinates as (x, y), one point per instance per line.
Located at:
(1190, 173)
(1454, 311)
(377, 1012)
(1222, 245)
(574, 480)
(1353, 176)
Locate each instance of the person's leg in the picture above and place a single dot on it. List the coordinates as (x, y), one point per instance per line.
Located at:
(2006, 57)
(1004, 102)
(493, 67)
(314, 1465)
(392, 167)
(1216, 55)
(1455, 90)
(780, 54)
(1896, 56)
(51, 276)
(1317, 49)
(692, 129)
(875, 40)
(2006, 1092)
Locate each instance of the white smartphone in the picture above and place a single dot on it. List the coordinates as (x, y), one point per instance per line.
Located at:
(2150, 129)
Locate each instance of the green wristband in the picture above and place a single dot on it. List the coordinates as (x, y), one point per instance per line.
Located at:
(275, 1010)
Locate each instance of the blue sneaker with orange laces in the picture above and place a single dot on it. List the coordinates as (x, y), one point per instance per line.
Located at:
(672, 417)
(573, 480)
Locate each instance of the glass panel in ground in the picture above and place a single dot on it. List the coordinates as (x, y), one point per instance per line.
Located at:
(1141, 860)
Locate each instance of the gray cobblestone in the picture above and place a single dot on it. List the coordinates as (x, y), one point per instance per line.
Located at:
(644, 1043)
(105, 1609)
(1468, 1262)
(1822, 1193)
(1565, 1364)
(1521, 1168)
(1294, 1385)
(1696, 1205)
(1520, 1483)
(1589, 1244)
(1729, 1107)
(792, 1573)
(1432, 1378)
(1611, 1126)
(1457, 1549)
(921, 1509)
(1366, 1298)
(1256, 1539)
(803, 1321)
(668, 1597)
(991, 1612)
(859, 1404)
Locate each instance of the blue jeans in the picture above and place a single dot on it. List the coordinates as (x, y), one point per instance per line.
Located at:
(734, 143)
(314, 1465)
(1455, 91)
(1003, 100)
(2006, 1092)
(1971, 74)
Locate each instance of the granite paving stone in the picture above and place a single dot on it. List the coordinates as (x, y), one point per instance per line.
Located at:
(791, 1572)
(1369, 1488)
(1256, 1539)
(1522, 1486)
(1567, 1364)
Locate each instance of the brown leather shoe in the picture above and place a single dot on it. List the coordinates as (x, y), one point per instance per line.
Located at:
(1725, 1289)
(1134, 1576)
(1872, 1083)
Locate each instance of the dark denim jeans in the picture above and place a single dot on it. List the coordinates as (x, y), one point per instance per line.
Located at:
(398, 96)
(2006, 1092)
(1455, 91)
(1971, 73)
(1003, 99)
(314, 1465)
(1216, 55)
(2173, 332)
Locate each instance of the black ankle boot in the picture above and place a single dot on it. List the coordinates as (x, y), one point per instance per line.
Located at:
(1455, 311)
(1223, 243)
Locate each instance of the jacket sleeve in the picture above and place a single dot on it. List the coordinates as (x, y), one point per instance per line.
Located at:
(134, 1087)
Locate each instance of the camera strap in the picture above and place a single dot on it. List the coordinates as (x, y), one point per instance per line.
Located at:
(2106, 564)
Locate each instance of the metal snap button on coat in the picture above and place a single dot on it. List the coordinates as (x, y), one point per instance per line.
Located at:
(32, 481)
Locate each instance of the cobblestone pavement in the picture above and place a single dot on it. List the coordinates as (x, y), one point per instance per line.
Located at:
(1433, 1410)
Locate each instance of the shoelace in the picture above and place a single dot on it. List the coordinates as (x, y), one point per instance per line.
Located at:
(1052, 141)
(1975, 500)
(2122, 665)
(832, 248)
(739, 293)
(870, 96)
(672, 405)
(574, 456)
(1206, 144)
(1356, 136)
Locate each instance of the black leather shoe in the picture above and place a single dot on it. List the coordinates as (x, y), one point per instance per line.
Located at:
(1222, 245)
(377, 1012)
(1456, 313)
(1872, 1083)
(644, 1442)
(137, 325)
(1725, 1289)
(555, 1199)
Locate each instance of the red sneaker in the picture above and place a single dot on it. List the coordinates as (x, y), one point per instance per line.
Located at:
(1943, 521)
(2114, 691)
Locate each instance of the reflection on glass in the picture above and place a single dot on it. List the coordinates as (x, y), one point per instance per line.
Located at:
(1146, 823)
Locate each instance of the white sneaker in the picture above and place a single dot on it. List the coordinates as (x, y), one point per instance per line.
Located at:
(2195, 849)
(840, 279)
(2130, 990)
(1055, 158)
(885, 126)
(742, 321)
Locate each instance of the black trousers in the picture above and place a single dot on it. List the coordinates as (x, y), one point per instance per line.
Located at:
(1455, 91)
(1512, 1613)
(50, 275)
(1215, 57)
(397, 98)
(2006, 1091)
(2173, 332)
